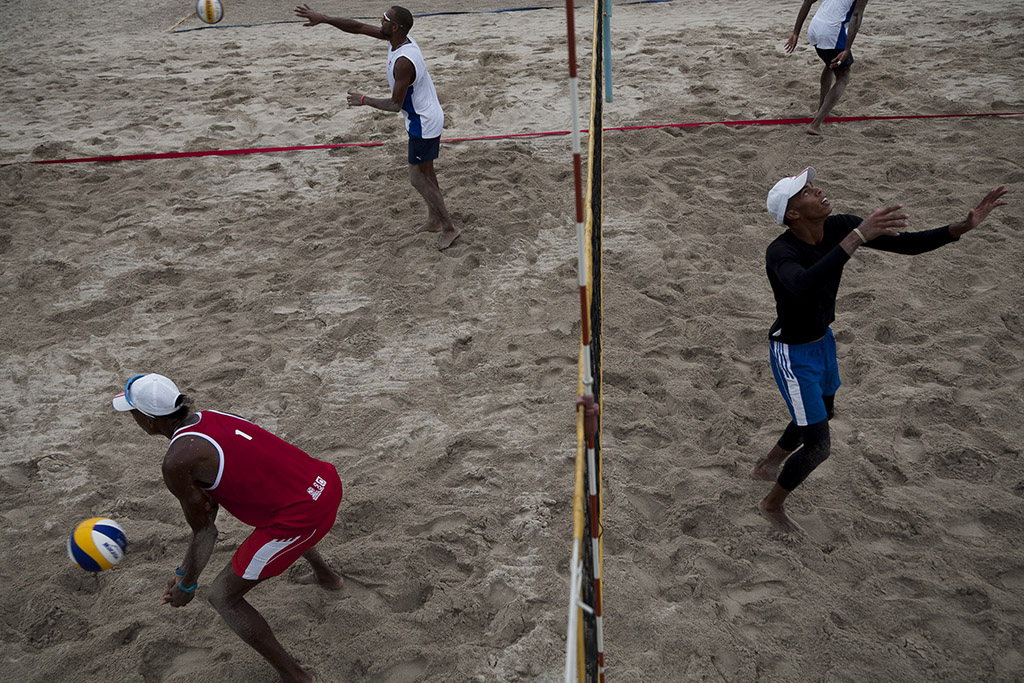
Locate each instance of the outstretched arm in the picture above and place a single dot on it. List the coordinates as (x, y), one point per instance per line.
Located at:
(313, 18)
(851, 32)
(911, 243)
(882, 222)
(179, 469)
(979, 213)
(795, 35)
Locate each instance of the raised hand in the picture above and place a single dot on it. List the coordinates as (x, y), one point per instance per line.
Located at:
(979, 213)
(883, 222)
(311, 16)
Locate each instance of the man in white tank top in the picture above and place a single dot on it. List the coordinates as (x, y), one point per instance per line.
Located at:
(832, 30)
(413, 94)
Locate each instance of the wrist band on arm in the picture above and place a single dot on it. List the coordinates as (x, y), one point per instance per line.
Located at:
(860, 235)
(187, 590)
(177, 570)
(361, 98)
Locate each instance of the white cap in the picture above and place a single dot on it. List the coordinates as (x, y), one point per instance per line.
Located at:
(778, 196)
(152, 395)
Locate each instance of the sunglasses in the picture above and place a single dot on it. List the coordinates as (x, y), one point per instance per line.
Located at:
(390, 20)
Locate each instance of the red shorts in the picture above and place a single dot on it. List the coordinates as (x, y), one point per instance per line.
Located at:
(268, 551)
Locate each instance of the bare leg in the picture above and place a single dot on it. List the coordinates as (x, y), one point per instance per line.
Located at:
(825, 85)
(771, 509)
(226, 594)
(424, 179)
(322, 575)
(829, 97)
(768, 467)
(434, 222)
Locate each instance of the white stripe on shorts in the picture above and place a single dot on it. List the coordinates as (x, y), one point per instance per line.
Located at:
(796, 400)
(265, 555)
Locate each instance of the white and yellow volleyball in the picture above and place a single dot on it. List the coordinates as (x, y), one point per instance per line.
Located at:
(97, 544)
(210, 11)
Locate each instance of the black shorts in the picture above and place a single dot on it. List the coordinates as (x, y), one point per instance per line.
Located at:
(422, 150)
(828, 55)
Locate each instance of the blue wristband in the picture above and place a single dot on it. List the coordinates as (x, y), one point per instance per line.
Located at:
(177, 570)
(187, 590)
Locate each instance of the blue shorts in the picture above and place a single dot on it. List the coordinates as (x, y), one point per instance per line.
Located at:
(805, 373)
(422, 150)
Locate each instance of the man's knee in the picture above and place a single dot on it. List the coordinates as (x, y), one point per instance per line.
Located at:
(215, 595)
(817, 443)
(815, 451)
(226, 590)
(417, 175)
(818, 453)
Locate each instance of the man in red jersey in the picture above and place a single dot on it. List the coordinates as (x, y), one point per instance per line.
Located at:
(218, 459)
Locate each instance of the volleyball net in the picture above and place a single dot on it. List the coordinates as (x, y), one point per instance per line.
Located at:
(584, 655)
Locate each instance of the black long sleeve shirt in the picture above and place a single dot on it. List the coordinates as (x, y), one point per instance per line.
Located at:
(805, 277)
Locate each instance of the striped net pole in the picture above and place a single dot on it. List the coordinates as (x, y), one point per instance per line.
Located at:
(589, 401)
(584, 647)
(576, 578)
(577, 173)
(607, 19)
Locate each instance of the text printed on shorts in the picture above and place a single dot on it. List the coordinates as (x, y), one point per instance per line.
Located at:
(317, 488)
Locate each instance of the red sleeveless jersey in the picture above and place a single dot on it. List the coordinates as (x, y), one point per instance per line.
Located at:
(263, 480)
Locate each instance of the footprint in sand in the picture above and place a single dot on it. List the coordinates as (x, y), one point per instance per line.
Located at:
(164, 661)
(440, 524)
(405, 672)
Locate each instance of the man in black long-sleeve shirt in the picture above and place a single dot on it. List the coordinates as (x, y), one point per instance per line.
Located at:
(805, 265)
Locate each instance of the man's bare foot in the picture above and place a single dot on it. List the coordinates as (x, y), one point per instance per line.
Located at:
(814, 130)
(332, 582)
(430, 226)
(779, 519)
(765, 470)
(447, 237)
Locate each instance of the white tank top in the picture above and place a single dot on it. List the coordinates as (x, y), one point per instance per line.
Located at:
(828, 27)
(421, 108)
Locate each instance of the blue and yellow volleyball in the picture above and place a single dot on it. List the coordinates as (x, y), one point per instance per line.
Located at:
(209, 11)
(97, 544)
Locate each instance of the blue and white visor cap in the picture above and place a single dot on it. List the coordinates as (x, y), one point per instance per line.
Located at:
(778, 196)
(151, 394)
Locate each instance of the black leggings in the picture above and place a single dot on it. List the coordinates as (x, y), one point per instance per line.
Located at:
(814, 451)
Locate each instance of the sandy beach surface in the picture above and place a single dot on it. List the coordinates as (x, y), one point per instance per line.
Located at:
(290, 288)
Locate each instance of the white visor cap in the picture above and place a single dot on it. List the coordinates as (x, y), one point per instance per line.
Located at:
(778, 196)
(151, 394)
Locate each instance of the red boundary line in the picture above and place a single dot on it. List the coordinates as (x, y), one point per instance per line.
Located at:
(266, 150)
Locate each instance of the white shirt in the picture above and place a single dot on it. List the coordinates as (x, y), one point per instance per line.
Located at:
(424, 117)
(828, 27)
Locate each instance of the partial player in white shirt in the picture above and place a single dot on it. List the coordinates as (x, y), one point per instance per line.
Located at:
(832, 31)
